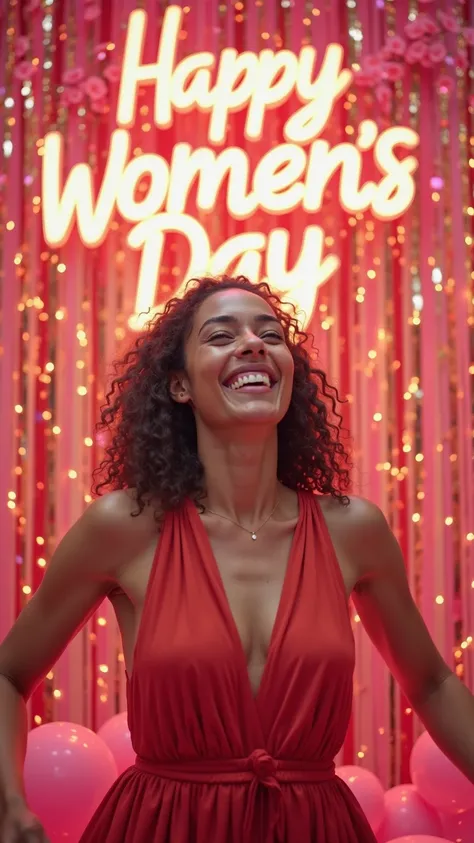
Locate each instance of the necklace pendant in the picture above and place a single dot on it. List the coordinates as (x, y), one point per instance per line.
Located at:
(254, 537)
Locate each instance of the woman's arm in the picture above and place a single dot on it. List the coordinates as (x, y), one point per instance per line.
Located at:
(81, 572)
(389, 614)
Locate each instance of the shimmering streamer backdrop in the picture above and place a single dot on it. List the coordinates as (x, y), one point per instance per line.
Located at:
(393, 323)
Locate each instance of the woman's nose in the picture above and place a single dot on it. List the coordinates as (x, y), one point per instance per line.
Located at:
(251, 345)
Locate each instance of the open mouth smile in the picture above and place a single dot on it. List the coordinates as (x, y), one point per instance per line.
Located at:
(250, 382)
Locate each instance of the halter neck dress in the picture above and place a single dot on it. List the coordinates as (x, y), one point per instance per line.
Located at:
(215, 762)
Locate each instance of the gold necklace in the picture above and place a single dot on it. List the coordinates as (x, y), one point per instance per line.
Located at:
(252, 533)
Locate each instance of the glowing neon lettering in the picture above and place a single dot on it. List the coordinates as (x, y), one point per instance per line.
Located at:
(291, 175)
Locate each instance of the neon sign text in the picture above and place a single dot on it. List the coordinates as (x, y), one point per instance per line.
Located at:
(292, 175)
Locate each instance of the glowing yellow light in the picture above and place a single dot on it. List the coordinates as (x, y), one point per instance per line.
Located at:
(39, 540)
(47, 415)
(470, 537)
(59, 314)
(56, 429)
(61, 267)
(87, 498)
(18, 408)
(372, 354)
(439, 600)
(103, 668)
(72, 474)
(10, 225)
(101, 622)
(377, 417)
(419, 457)
(449, 520)
(38, 719)
(416, 517)
(57, 694)
(26, 589)
(41, 562)
(81, 390)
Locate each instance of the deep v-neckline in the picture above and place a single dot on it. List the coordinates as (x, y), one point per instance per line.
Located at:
(272, 646)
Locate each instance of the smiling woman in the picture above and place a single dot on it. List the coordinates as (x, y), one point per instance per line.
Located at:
(182, 375)
(239, 652)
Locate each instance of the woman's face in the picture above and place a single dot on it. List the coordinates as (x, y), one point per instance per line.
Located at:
(239, 368)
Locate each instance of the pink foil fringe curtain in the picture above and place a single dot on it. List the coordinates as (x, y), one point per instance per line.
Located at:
(393, 324)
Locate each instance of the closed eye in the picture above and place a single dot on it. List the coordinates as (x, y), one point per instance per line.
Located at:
(220, 335)
(272, 335)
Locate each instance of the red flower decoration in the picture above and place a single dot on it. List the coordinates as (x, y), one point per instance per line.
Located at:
(73, 76)
(95, 88)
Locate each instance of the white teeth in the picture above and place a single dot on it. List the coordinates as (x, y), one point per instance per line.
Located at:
(252, 377)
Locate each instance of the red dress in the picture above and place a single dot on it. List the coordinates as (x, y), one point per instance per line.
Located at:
(214, 763)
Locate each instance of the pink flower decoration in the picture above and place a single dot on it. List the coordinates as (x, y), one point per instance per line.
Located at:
(75, 95)
(373, 64)
(393, 71)
(437, 52)
(98, 106)
(73, 76)
(363, 79)
(91, 12)
(425, 61)
(113, 73)
(415, 29)
(468, 33)
(24, 70)
(396, 45)
(21, 46)
(449, 22)
(445, 84)
(416, 51)
(95, 88)
(429, 24)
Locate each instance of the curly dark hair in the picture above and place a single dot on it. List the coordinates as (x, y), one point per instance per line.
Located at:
(152, 443)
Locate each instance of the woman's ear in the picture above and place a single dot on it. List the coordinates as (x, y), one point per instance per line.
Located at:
(179, 388)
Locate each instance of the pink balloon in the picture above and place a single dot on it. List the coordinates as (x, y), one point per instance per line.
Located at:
(437, 780)
(407, 813)
(420, 838)
(116, 734)
(68, 770)
(459, 827)
(368, 791)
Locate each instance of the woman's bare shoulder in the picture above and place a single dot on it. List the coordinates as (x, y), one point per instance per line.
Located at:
(116, 520)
